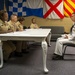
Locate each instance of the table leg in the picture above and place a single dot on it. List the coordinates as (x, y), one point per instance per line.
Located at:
(44, 47)
(49, 39)
(1, 55)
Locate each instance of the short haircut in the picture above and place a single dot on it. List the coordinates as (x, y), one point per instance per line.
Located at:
(13, 15)
(21, 19)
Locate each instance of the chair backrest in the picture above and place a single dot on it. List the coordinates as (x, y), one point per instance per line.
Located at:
(55, 29)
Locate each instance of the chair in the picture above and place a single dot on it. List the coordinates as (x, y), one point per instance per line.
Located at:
(67, 45)
(24, 27)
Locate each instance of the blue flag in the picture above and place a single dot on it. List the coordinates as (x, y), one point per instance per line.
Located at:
(26, 7)
(34, 8)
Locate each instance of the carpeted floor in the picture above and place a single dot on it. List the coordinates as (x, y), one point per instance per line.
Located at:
(31, 63)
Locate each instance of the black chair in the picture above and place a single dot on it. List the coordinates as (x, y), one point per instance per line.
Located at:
(67, 45)
(24, 27)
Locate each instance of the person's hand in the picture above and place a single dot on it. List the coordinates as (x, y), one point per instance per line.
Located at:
(20, 29)
(66, 36)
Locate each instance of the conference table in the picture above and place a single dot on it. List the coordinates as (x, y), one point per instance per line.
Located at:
(36, 35)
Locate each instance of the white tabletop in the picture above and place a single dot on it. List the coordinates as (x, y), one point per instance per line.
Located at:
(29, 33)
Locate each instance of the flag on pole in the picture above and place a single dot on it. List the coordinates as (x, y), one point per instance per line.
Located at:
(69, 7)
(53, 9)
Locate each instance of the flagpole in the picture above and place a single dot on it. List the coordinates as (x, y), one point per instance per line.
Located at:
(5, 6)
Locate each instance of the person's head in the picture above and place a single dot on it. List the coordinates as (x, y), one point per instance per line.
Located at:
(3, 15)
(14, 18)
(21, 19)
(73, 17)
(33, 20)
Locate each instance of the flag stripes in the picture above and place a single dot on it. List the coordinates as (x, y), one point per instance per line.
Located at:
(69, 7)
